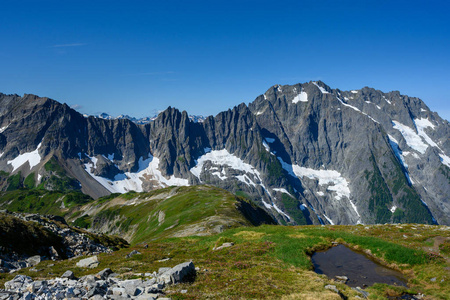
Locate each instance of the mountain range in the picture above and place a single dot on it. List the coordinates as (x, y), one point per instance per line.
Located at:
(305, 153)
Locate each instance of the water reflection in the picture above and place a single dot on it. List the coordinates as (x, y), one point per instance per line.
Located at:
(360, 270)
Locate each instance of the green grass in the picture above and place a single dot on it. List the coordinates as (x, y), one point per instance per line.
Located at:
(42, 201)
(273, 262)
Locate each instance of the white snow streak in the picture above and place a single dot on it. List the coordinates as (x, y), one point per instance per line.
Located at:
(266, 146)
(393, 208)
(356, 109)
(4, 128)
(399, 154)
(328, 219)
(445, 159)
(281, 212)
(332, 178)
(33, 158)
(354, 92)
(320, 88)
(283, 191)
(302, 97)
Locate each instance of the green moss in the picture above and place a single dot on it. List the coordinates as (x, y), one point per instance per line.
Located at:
(293, 210)
(381, 197)
(29, 181)
(14, 182)
(83, 222)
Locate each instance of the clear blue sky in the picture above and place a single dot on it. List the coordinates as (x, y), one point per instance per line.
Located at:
(139, 57)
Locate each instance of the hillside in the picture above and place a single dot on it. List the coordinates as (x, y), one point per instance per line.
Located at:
(169, 212)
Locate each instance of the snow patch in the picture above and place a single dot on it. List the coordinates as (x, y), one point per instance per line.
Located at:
(320, 88)
(245, 179)
(385, 99)
(303, 207)
(4, 128)
(333, 179)
(328, 219)
(412, 139)
(33, 158)
(354, 92)
(281, 212)
(220, 175)
(266, 146)
(423, 202)
(279, 89)
(393, 208)
(223, 157)
(129, 181)
(259, 113)
(445, 159)
(321, 193)
(356, 109)
(423, 110)
(302, 97)
(421, 124)
(398, 153)
(283, 191)
(274, 206)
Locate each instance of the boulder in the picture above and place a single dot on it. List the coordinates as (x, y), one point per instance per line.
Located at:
(90, 262)
(68, 274)
(34, 260)
(180, 273)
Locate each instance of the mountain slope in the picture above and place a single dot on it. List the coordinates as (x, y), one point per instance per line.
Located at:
(306, 153)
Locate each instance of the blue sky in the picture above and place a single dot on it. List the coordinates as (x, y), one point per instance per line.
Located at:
(139, 57)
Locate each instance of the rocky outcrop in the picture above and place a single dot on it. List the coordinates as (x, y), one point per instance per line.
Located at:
(68, 243)
(103, 285)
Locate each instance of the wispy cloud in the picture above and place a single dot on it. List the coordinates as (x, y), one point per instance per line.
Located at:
(76, 106)
(69, 45)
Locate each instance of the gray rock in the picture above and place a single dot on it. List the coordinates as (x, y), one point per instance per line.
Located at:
(34, 260)
(132, 253)
(90, 262)
(332, 288)
(224, 245)
(342, 279)
(179, 273)
(68, 274)
(362, 292)
(104, 274)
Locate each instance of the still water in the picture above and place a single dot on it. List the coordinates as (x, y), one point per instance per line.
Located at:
(360, 270)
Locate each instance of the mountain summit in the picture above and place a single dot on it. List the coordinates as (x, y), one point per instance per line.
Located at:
(306, 153)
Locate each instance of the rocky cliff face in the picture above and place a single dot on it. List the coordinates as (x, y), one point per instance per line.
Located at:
(306, 153)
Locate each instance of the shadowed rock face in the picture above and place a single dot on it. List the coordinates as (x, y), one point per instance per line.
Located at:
(306, 153)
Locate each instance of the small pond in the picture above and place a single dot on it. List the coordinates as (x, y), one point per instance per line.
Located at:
(358, 268)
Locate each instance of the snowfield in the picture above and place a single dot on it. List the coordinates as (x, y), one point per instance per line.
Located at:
(128, 181)
(33, 158)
